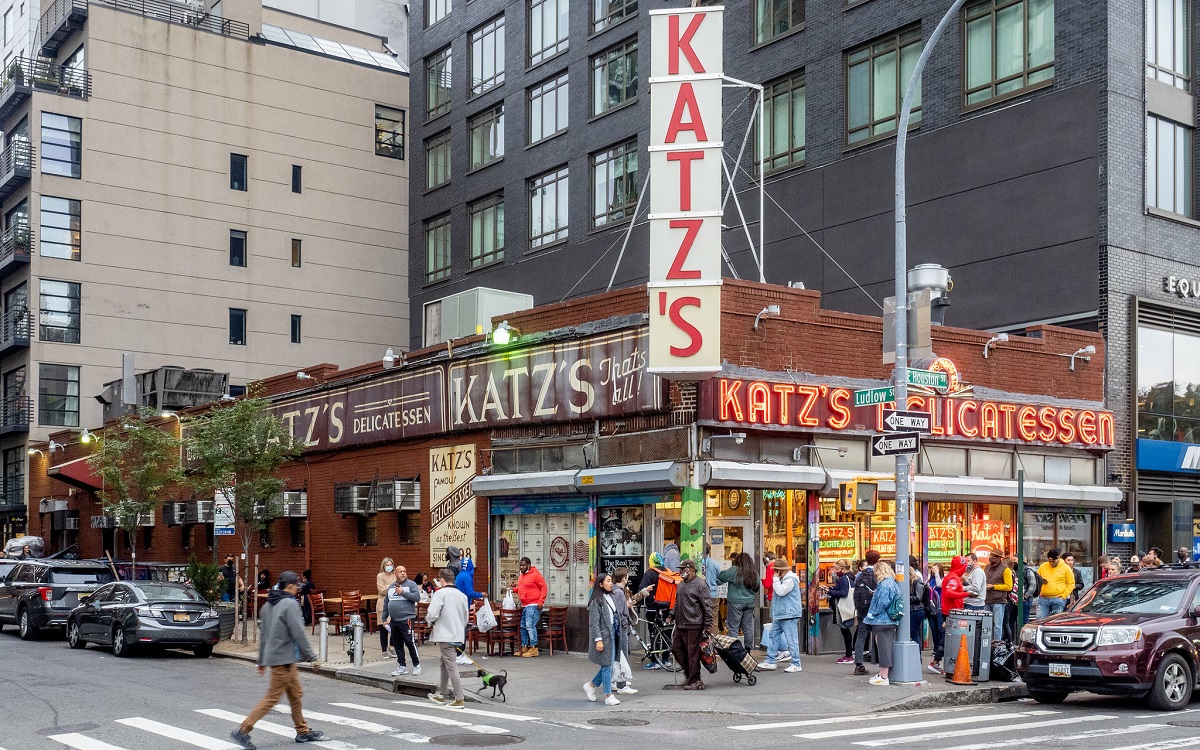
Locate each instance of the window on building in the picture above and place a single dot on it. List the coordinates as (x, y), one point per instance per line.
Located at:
(14, 477)
(297, 252)
(60, 313)
(614, 76)
(437, 81)
(296, 178)
(783, 121)
(237, 248)
(14, 391)
(7, 25)
(774, 18)
(486, 56)
(487, 137)
(237, 326)
(437, 160)
(389, 132)
(1008, 47)
(548, 104)
(614, 183)
(606, 13)
(1169, 42)
(237, 172)
(147, 537)
(77, 60)
(409, 523)
(1169, 166)
(436, 10)
(437, 248)
(876, 76)
(61, 233)
(368, 530)
(548, 208)
(1168, 379)
(62, 144)
(266, 534)
(295, 329)
(297, 531)
(487, 230)
(58, 395)
(549, 29)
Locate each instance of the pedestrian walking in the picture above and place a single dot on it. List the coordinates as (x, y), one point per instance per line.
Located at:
(836, 594)
(786, 610)
(999, 585)
(883, 617)
(602, 632)
(447, 617)
(1183, 555)
(741, 594)
(864, 590)
(282, 642)
(919, 600)
(975, 584)
(620, 590)
(531, 593)
(401, 609)
(383, 581)
(1058, 583)
(693, 617)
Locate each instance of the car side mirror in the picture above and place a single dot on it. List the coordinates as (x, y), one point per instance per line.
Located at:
(1195, 613)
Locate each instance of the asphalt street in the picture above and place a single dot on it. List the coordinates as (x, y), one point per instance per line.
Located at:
(54, 698)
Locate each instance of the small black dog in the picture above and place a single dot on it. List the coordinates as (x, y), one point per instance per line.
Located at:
(494, 681)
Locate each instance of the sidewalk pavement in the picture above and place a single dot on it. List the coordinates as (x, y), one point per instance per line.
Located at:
(555, 683)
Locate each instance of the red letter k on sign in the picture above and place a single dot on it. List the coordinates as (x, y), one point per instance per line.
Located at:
(682, 44)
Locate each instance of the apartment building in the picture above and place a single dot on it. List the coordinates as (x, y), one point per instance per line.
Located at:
(217, 186)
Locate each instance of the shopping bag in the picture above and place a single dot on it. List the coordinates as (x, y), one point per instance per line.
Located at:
(846, 611)
(621, 670)
(485, 619)
(708, 654)
(510, 601)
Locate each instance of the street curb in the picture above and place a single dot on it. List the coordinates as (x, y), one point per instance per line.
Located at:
(981, 696)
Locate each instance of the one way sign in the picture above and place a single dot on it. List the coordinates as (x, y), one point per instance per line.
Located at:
(906, 421)
(897, 444)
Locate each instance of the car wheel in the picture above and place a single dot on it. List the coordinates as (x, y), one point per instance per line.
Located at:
(119, 647)
(25, 627)
(1047, 696)
(74, 637)
(1172, 684)
(204, 651)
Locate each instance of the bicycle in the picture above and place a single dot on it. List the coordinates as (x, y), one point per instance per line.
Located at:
(656, 650)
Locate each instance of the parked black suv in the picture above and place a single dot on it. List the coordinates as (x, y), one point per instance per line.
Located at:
(39, 594)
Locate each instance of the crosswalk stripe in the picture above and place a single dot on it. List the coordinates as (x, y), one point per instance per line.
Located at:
(480, 728)
(840, 720)
(345, 721)
(950, 734)
(1165, 745)
(271, 727)
(1057, 738)
(1167, 713)
(919, 725)
(471, 711)
(82, 742)
(176, 733)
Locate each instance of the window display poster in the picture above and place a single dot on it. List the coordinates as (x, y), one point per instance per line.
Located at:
(509, 557)
(988, 536)
(943, 541)
(621, 538)
(838, 540)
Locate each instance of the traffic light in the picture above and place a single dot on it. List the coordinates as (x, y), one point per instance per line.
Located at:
(858, 496)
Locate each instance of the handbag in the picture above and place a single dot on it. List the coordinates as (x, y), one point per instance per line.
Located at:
(485, 619)
(845, 610)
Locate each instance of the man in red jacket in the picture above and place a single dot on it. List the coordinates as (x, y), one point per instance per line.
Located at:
(953, 596)
(531, 593)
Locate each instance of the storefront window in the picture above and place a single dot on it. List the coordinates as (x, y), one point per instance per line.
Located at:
(557, 544)
(992, 529)
(1070, 533)
(621, 540)
(1168, 385)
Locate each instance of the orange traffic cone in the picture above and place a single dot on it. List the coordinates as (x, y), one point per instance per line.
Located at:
(962, 665)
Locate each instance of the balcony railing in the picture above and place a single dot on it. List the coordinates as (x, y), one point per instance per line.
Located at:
(15, 163)
(179, 13)
(14, 92)
(14, 246)
(44, 75)
(16, 414)
(14, 329)
(60, 18)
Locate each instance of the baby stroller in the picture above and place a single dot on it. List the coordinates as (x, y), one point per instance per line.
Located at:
(734, 654)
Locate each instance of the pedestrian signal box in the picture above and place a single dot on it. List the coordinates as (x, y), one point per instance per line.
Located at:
(858, 496)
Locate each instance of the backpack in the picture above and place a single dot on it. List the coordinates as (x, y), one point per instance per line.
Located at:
(918, 593)
(1033, 582)
(668, 583)
(895, 607)
(863, 591)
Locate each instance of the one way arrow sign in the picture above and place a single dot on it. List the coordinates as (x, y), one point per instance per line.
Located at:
(906, 421)
(897, 444)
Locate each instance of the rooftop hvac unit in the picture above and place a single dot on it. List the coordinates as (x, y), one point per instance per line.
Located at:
(458, 315)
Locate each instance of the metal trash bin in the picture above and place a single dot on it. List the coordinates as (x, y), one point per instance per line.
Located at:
(976, 625)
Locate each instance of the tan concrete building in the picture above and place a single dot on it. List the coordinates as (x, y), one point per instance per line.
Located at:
(208, 185)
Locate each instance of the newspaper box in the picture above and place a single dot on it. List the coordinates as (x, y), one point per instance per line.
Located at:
(976, 625)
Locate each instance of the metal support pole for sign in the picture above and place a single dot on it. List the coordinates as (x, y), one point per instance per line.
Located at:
(356, 623)
(907, 669)
(323, 645)
(1020, 548)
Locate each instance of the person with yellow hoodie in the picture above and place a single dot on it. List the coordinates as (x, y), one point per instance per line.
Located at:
(999, 586)
(1058, 581)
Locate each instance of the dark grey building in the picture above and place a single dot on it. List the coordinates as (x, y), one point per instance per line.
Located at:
(1050, 169)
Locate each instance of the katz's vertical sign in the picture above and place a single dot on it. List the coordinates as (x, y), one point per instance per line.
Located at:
(686, 69)
(451, 502)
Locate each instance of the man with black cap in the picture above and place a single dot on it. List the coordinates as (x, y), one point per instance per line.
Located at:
(693, 616)
(281, 641)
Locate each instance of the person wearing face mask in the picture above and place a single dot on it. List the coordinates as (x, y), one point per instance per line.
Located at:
(384, 580)
(402, 598)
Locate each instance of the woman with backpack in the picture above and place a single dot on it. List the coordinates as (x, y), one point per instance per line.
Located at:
(884, 618)
(741, 597)
(843, 607)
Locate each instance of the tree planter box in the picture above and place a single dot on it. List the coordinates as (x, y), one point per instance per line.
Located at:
(228, 615)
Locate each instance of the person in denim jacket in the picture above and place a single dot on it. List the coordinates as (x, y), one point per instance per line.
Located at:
(882, 625)
(786, 611)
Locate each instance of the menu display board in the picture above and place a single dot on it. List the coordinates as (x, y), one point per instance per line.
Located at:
(838, 540)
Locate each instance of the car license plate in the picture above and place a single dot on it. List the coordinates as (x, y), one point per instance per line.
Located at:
(185, 617)
(1060, 670)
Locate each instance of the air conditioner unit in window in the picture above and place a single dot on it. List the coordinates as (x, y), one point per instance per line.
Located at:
(384, 497)
(352, 499)
(408, 494)
(295, 504)
(204, 511)
(173, 514)
(104, 522)
(45, 505)
(147, 519)
(71, 524)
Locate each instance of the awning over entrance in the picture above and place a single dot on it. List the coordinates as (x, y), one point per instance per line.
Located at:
(978, 489)
(736, 475)
(77, 473)
(532, 483)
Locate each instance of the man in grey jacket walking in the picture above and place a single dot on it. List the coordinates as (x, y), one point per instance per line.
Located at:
(281, 643)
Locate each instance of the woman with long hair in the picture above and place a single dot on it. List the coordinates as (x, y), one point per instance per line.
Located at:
(741, 597)
(384, 581)
(883, 627)
(841, 589)
(602, 638)
(620, 591)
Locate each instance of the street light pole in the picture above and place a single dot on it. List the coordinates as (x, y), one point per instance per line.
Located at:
(907, 662)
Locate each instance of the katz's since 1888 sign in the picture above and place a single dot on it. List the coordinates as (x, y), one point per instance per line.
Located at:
(451, 502)
(685, 204)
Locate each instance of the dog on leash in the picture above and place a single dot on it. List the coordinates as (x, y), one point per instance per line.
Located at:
(494, 681)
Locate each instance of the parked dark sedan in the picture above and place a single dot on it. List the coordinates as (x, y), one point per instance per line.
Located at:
(126, 615)
(39, 594)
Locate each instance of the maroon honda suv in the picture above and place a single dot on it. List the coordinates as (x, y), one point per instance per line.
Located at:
(1135, 634)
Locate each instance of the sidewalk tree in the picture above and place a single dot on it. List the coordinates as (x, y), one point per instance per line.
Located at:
(234, 452)
(137, 463)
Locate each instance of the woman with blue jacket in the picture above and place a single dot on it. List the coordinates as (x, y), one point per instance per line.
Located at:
(786, 612)
(882, 625)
